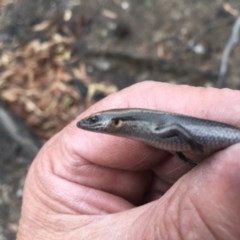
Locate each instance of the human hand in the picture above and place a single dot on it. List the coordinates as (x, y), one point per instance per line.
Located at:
(85, 185)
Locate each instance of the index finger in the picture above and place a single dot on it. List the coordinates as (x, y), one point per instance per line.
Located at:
(208, 103)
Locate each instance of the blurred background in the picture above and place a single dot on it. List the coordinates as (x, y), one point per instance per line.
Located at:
(58, 57)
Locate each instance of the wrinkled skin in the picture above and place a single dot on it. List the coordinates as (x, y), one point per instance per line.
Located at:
(85, 185)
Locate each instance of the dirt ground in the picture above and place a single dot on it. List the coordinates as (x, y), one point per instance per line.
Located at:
(59, 57)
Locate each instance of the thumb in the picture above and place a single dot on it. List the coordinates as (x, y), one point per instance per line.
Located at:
(203, 204)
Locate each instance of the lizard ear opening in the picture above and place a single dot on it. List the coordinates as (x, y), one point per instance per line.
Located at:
(117, 123)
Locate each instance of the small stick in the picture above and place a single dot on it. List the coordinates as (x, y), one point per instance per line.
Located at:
(231, 43)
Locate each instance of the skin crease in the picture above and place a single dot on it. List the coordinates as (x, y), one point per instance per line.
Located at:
(84, 185)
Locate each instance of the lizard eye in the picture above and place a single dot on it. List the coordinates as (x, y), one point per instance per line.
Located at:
(93, 119)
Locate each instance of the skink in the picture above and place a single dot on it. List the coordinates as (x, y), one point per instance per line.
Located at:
(176, 133)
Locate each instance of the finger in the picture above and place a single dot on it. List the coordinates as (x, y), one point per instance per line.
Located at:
(75, 185)
(122, 153)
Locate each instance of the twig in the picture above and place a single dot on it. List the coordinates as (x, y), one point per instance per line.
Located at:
(231, 43)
